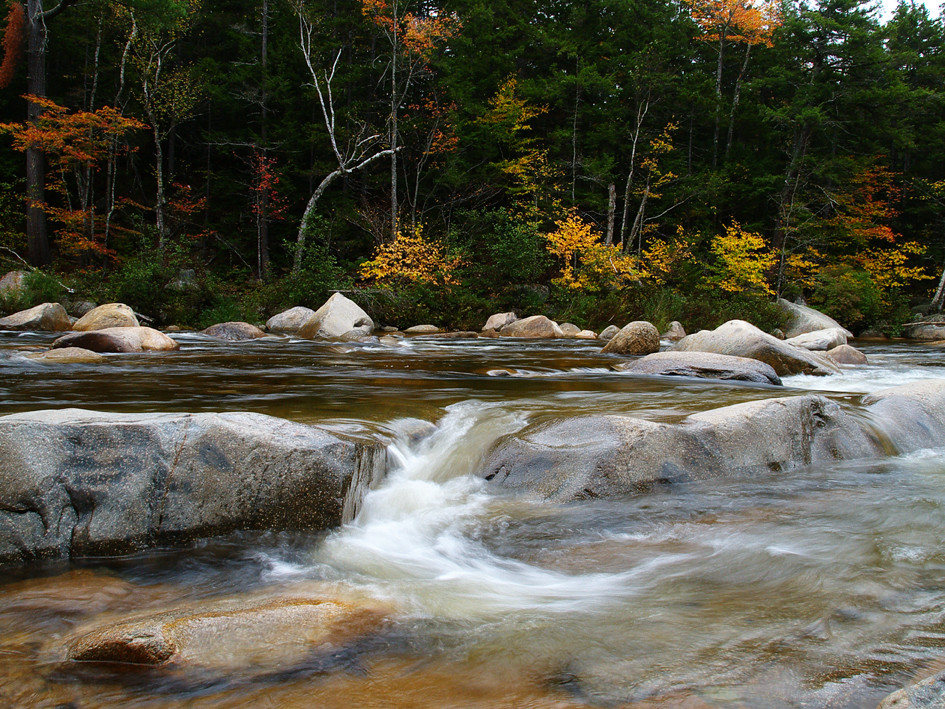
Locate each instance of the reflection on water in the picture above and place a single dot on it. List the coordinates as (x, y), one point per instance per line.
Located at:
(822, 587)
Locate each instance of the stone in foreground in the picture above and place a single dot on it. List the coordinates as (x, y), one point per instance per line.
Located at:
(338, 316)
(48, 317)
(106, 316)
(636, 338)
(234, 331)
(241, 633)
(535, 327)
(927, 694)
(119, 339)
(741, 339)
(703, 365)
(802, 319)
(76, 482)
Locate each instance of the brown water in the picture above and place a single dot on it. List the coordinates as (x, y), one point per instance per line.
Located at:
(823, 587)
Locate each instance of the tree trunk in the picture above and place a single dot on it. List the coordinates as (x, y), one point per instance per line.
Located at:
(262, 245)
(394, 110)
(36, 231)
(611, 212)
(735, 98)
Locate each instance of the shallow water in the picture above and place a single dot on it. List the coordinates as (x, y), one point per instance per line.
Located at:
(820, 587)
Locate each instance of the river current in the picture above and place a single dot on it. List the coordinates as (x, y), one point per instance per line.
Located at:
(822, 587)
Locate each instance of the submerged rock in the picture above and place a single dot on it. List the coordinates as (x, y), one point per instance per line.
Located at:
(234, 331)
(76, 482)
(119, 339)
(636, 338)
(704, 365)
(802, 319)
(742, 339)
(535, 327)
(338, 316)
(290, 321)
(69, 355)
(600, 455)
(106, 316)
(258, 634)
(48, 317)
(820, 340)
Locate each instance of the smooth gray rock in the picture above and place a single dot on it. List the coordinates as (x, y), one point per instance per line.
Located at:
(76, 482)
(636, 338)
(422, 330)
(607, 334)
(535, 327)
(48, 317)
(290, 321)
(927, 694)
(802, 318)
(820, 340)
(604, 455)
(931, 330)
(570, 329)
(234, 331)
(674, 332)
(336, 317)
(499, 320)
(13, 283)
(742, 339)
(601, 455)
(704, 365)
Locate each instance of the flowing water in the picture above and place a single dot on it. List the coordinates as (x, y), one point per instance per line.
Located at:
(823, 587)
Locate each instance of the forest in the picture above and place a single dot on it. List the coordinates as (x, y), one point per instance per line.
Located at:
(596, 161)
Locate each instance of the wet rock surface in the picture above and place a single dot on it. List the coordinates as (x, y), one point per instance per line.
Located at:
(703, 365)
(119, 339)
(76, 482)
(234, 331)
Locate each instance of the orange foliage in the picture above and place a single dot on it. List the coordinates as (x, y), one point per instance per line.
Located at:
(418, 35)
(743, 21)
(12, 43)
(74, 144)
(860, 211)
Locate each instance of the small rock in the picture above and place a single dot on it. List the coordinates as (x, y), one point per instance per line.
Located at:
(569, 329)
(290, 321)
(69, 355)
(499, 320)
(422, 330)
(586, 335)
(674, 332)
(119, 339)
(82, 307)
(106, 316)
(607, 334)
(845, 354)
(535, 327)
(48, 317)
(636, 338)
(234, 331)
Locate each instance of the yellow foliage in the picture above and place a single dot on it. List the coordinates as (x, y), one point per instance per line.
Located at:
(802, 268)
(587, 264)
(411, 258)
(742, 260)
(664, 256)
(889, 268)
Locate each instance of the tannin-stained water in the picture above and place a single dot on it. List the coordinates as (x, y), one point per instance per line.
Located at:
(814, 588)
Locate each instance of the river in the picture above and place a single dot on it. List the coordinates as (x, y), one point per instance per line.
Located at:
(822, 587)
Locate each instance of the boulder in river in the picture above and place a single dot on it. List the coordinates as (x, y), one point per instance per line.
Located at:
(802, 318)
(119, 339)
(422, 330)
(704, 365)
(635, 338)
(337, 316)
(48, 317)
(106, 316)
(569, 329)
(674, 332)
(607, 334)
(499, 320)
(76, 482)
(820, 340)
(845, 354)
(927, 694)
(258, 634)
(234, 331)
(742, 339)
(290, 321)
(534, 327)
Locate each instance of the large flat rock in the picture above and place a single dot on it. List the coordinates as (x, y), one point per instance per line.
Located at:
(703, 365)
(603, 455)
(76, 482)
